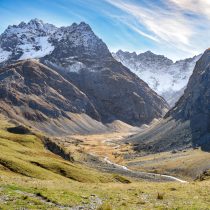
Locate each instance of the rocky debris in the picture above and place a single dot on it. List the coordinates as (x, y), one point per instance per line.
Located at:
(167, 78)
(94, 202)
(205, 175)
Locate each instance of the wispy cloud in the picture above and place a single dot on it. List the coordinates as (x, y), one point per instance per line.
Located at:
(177, 23)
(134, 26)
(201, 7)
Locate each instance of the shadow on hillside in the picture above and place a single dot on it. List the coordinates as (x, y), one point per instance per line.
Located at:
(200, 128)
(19, 130)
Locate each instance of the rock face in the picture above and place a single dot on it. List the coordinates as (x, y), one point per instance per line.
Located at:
(167, 78)
(41, 93)
(194, 105)
(111, 91)
(188, 123)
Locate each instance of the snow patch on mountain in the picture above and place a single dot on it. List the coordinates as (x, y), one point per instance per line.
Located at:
(37, 39)
(76, 67)
(4, 55)
(26, 40)
(33, 27)
(37, 49)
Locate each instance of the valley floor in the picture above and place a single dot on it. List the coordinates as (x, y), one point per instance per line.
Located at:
(185, 164)
(31, 177)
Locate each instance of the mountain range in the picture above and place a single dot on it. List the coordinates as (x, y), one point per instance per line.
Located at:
(167, 78)
(77, 74)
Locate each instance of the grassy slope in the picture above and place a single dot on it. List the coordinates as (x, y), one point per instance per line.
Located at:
(32, 177)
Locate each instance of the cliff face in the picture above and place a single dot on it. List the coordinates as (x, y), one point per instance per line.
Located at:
(119, 94)
(194, 105)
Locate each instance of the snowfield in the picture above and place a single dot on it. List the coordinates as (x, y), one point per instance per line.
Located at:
(38, 49)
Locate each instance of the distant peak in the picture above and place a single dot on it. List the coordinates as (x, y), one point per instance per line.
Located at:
(149, 52)
(36, 20)
(127, 53)
(85, 26)
(119, 51)
(74, 25)
(22, 24)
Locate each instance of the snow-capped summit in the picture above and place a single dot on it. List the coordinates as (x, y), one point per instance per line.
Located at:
(26, 40)
(76, 48)
(78, 35)
(34, 26)
(37, 39)
(167, 78)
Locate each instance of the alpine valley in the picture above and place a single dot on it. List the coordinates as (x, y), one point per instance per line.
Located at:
(84, 128)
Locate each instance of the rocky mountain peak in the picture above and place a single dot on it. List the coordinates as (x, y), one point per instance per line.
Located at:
(77, 47)
(36, 22)
(121, 54)
(34, 26)
(149, 53)
(84, 26)
(37, 39)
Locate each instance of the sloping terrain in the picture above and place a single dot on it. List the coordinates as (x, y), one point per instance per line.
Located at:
(167, 78)
(34, 94)
(37, 95)
(25, 154)
(187, 124)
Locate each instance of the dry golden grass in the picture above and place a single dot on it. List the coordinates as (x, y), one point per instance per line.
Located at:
(187, 164)
(101, 145)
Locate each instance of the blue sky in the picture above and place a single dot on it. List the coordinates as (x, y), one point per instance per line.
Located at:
(175, 28)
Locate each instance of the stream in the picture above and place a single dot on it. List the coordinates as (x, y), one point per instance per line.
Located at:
(159, 176)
